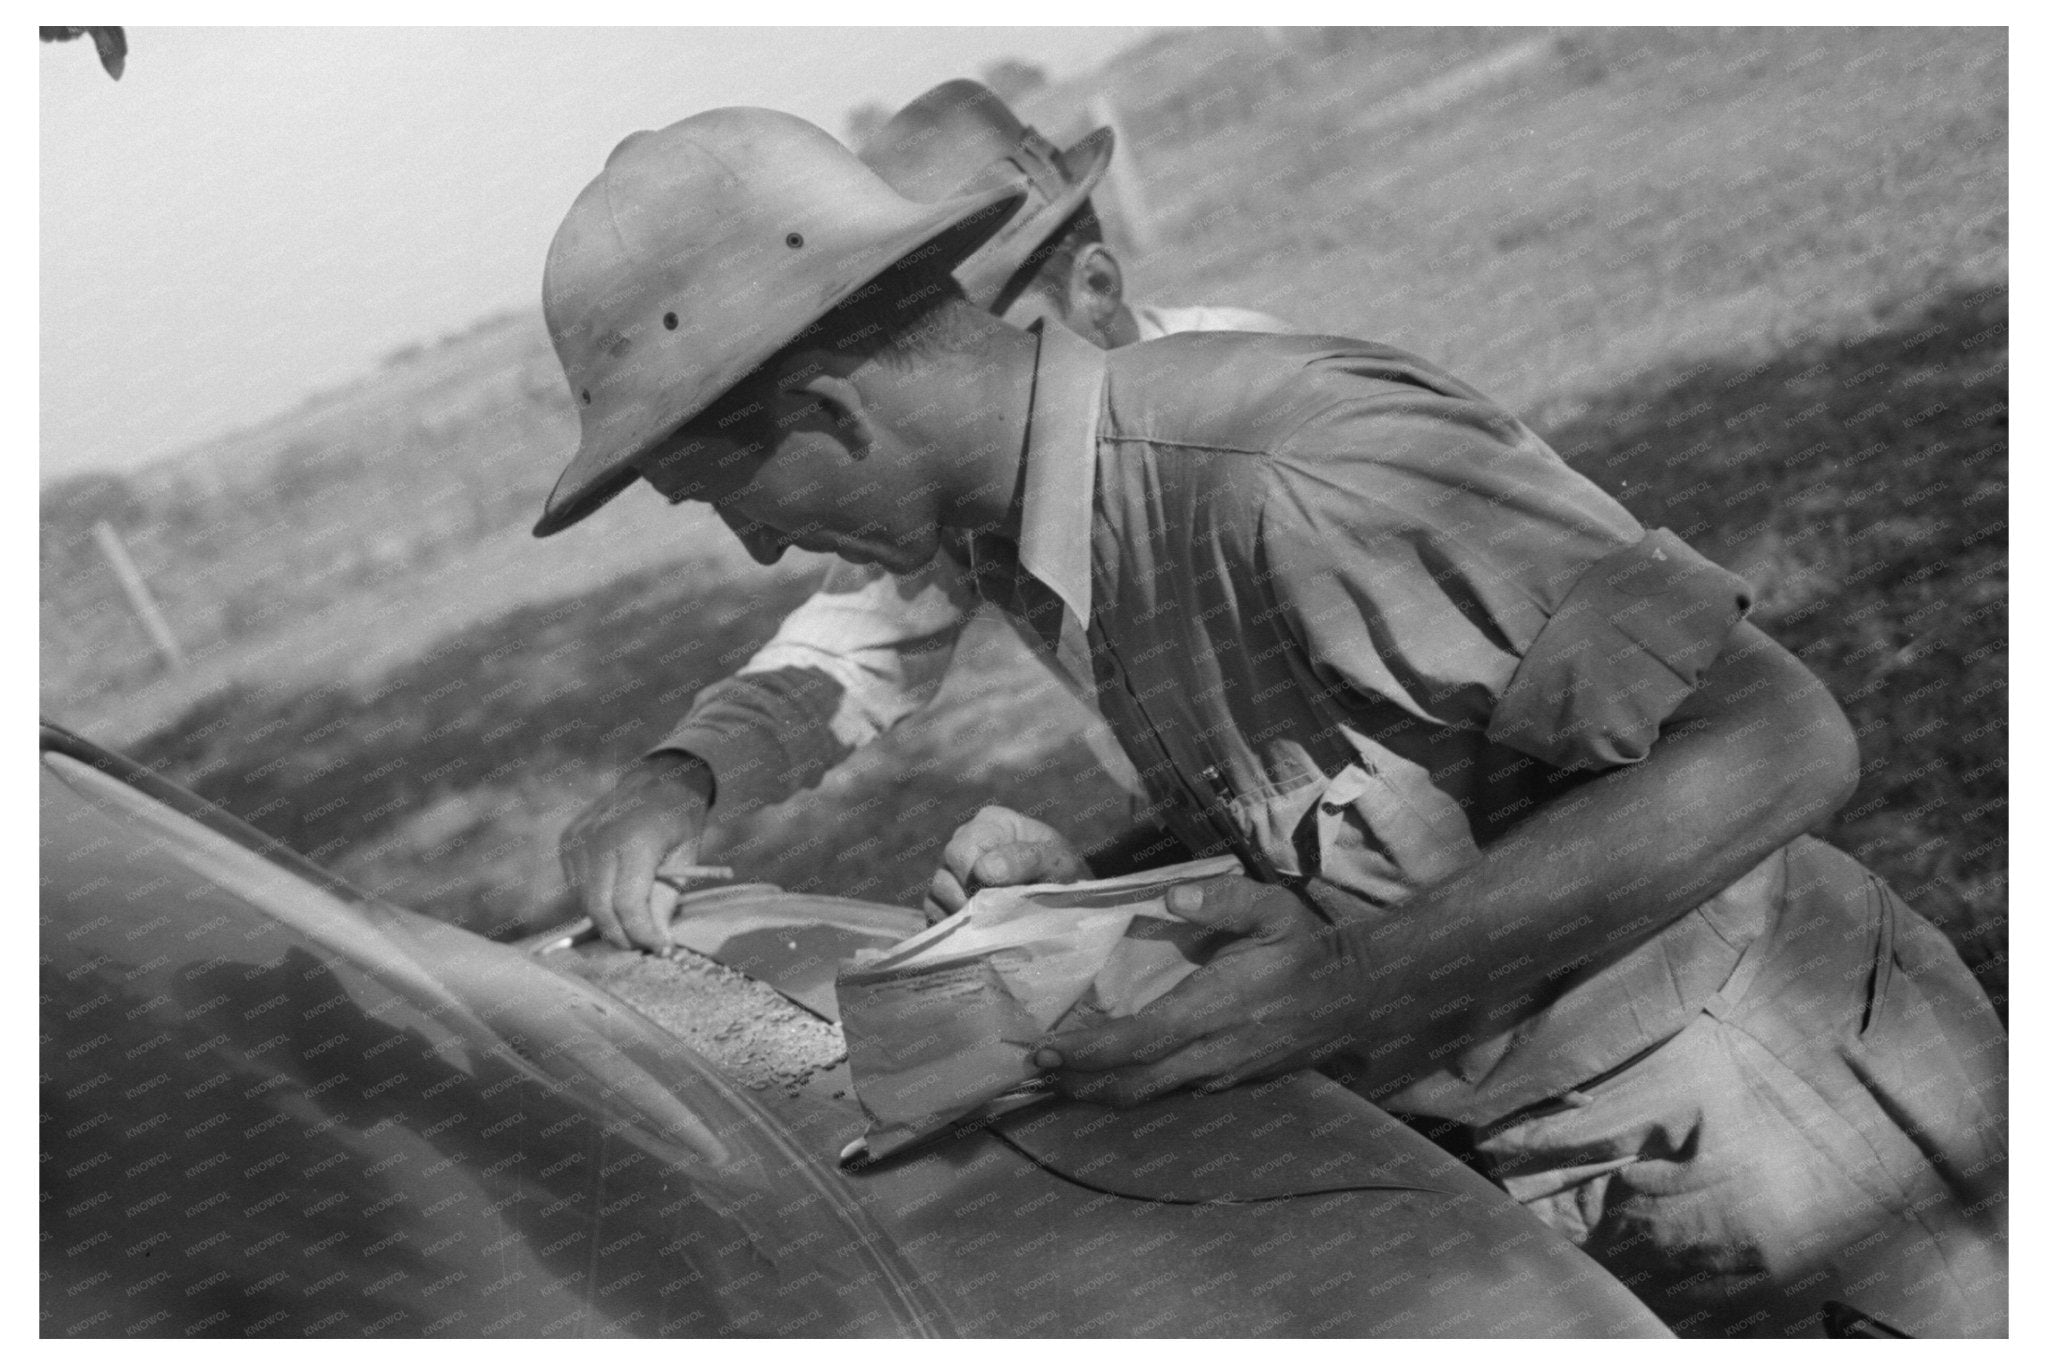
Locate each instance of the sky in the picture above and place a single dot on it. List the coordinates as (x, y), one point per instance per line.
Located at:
(252, 215)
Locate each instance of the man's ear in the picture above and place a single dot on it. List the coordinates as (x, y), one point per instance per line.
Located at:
(1096, 281)
(1095, 289)
(828, 402)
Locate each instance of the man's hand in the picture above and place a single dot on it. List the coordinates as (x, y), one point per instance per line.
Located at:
(1277, 997)
(611, 851)
(999, 847)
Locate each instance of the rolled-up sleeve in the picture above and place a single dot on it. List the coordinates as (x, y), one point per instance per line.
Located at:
(1430, 550)
(1618, 656)
(861, 654)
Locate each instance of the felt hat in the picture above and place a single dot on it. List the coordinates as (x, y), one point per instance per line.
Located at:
(961, 136)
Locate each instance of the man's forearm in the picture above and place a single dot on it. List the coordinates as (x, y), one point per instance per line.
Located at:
(864, 652)
(765, 735)
(1591, 875)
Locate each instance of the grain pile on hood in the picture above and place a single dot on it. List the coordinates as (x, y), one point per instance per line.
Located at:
(745, 1029)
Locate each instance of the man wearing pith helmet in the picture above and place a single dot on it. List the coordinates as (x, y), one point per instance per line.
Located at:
(1520, 793)
(870, 648)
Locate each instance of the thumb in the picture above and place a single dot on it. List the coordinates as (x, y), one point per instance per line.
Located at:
(663, 901)
(1014, 864)
(992, 869)
(1226, 904)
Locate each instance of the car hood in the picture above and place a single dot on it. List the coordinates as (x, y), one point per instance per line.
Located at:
(272, 1106)
(380, 1102)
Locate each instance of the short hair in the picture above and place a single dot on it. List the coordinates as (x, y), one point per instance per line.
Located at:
(905, 315)
(1048, 267)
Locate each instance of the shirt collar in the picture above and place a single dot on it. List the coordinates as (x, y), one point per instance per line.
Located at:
(1053, 543)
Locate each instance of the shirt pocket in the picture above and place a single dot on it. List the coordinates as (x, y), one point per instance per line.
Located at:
(1383, 828)
(1268, 820)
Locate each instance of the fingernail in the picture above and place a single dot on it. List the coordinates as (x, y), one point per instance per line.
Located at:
(1046, 1059)
(998, 867)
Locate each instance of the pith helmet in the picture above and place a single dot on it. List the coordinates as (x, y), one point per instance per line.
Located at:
(697, 253)
(961, 136)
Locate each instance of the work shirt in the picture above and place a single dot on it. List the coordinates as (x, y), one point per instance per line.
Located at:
(1351, 621)
(865, 651)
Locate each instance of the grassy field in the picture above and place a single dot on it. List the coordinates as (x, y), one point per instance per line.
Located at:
(1751, 282)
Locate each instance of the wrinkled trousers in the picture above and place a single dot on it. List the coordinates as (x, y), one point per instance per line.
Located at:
(1831, 1126)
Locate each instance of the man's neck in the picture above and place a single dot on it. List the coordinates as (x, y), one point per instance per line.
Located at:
(1120, 328)
(972, 412)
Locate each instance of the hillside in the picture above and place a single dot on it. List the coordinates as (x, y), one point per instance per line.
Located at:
(340, 539)
(1751, 281)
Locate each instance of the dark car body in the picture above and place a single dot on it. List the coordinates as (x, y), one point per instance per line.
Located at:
(274, 1106)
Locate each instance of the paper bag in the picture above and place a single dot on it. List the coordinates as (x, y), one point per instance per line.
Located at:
(942, 1026)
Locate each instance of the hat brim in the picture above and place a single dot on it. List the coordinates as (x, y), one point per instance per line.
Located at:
(950, 231)
(987, 274)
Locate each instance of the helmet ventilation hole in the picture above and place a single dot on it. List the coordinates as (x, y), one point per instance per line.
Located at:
(668, 320)
(794, 240)
(586, 398)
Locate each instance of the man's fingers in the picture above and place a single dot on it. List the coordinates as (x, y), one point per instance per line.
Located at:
(999, 830)
(632, 896)
(1049, 862)
(1119, 1043)
(1025, 864)
(1209, 1063)
(1169, 1023)
(999, 847)
(947, 893)
(1014, 864)
(1010, 864)
(965, 848)
(597, 903)
(1231, 906)
(611, 852)
(663, 901)
(1002, 867)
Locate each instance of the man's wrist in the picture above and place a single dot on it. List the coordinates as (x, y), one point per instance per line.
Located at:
(683, 769)
(1376, 954)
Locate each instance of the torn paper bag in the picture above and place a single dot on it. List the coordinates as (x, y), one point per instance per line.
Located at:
(942, 1026)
